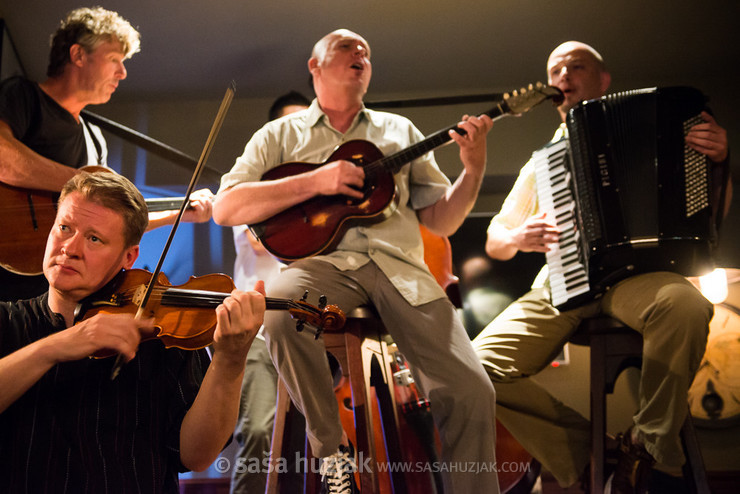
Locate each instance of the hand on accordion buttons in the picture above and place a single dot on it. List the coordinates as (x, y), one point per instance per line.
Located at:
(708, 138)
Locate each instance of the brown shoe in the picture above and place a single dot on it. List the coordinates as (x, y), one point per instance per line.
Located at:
(634, 465)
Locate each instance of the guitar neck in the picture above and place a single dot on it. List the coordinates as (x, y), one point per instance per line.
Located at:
(164, 204)
(395, 162)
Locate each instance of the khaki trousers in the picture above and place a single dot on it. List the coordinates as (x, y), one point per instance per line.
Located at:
(431, 337)
(673, 318)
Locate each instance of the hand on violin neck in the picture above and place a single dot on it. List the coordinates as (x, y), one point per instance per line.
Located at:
(239, 318)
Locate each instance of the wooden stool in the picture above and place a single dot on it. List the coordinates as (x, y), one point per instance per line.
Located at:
(613, 348)
(354, 347)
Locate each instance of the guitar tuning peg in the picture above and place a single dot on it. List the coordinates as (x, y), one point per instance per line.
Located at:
(507, 96)
(515, 93)
(523, 90)
(530, 87)
(305, 296)
(322, 302)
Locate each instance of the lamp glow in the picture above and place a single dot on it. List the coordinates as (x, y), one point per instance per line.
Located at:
(714, 286)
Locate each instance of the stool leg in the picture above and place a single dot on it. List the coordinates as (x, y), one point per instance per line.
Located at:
(693, 469)
(361, 405)
(386, 407)
(598, 412)
(276, 445)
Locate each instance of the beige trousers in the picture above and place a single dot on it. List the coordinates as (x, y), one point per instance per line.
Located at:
(431, 337)
(673, 318)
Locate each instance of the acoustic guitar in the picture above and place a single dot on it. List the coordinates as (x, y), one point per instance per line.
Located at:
(29, 215)
(317, 225)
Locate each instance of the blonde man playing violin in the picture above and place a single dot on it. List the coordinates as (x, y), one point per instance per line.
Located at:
(65, 426)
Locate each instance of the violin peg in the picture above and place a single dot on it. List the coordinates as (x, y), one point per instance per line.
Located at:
(305, 296)
(299, 326)
(322, 302)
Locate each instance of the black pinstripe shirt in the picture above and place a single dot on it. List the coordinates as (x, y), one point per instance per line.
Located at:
(77, 431)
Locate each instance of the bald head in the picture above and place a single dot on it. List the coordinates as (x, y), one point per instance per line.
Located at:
(572, 46)
(319, 49)
(578, 70)
(340, 70)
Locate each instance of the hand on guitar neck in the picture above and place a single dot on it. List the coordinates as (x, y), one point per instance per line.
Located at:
(199, 209)
(164, 210)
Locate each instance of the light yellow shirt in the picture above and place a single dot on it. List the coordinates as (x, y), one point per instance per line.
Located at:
(522, 203)
(394, 244)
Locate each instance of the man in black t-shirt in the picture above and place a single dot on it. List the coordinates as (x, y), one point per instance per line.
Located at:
(43, 140)
(65, 426)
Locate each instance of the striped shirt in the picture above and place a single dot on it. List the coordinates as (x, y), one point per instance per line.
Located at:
(77, 431)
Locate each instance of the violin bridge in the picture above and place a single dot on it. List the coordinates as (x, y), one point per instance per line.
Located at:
(138, 296)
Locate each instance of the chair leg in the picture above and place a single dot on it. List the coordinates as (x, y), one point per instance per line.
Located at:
(598, 413)
(276, 445)
(693, 469)
(362, 406)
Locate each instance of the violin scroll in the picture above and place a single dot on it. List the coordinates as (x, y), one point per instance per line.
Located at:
(324, 317)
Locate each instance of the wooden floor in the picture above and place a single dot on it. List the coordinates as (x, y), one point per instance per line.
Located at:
(719, 483)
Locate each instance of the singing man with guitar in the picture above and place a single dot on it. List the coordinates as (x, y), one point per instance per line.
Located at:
(43, 140)
(378, 262)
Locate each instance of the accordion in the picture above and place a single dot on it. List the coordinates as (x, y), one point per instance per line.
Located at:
(628, 196)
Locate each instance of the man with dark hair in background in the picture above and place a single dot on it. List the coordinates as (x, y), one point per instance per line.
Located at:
(253, 432)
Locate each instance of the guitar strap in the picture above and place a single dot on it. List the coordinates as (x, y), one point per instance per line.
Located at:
(98, 149)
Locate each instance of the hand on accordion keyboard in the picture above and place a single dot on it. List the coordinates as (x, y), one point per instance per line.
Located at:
(536, 234)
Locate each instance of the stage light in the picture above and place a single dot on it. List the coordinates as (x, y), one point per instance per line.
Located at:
(714, 286)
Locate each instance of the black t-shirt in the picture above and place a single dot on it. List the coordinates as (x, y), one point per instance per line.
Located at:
(41, 123)
(48, 129)
(76, 430)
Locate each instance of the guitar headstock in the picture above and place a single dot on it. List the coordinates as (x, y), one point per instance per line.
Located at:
(524, 99)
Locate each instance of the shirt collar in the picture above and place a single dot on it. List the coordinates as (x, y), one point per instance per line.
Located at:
(314, 114)
(561, 133)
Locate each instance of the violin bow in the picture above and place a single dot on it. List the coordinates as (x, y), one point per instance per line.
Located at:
(215, 128)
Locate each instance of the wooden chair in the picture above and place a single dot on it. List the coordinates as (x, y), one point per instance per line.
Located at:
(613, 348)
(361, 349)
(354, 347)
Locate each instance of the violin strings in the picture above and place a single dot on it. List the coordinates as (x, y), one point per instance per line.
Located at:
(204, 298)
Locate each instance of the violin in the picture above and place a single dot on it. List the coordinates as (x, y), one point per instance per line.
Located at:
(185, 315)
